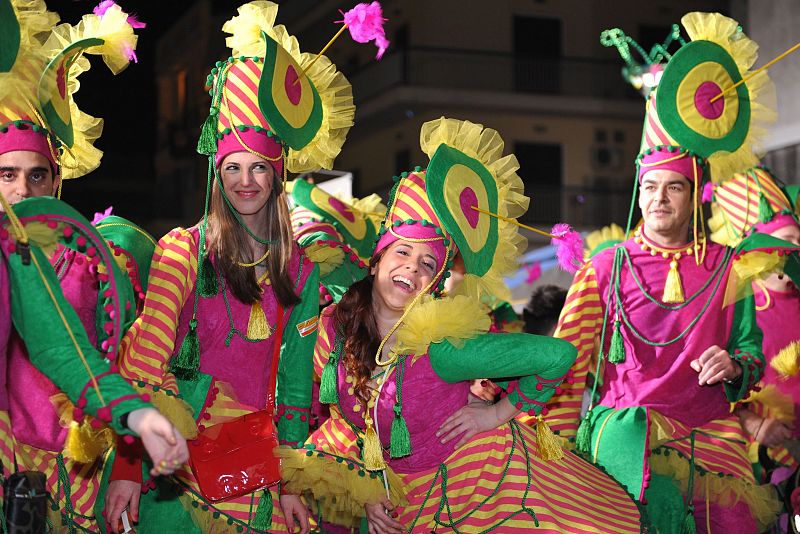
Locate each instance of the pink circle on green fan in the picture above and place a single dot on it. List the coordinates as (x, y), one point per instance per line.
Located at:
(702, 100)
(467, 198)
(341, 208)
(61, 81)
(293, 90)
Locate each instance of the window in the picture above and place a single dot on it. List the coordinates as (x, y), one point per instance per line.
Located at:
(541, 170)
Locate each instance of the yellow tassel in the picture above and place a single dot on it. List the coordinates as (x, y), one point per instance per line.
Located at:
(673, 288)
(549, 447)
(257, 326)
(786, 361)
(85, 444)
(372, 454)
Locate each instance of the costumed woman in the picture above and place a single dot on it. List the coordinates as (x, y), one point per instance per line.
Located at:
(754, 202)
(60, 395)
(232, 305)
(403, 449)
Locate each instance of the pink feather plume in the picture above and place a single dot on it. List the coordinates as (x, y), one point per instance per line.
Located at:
(708, 193)
(105, 5)
(365, 23)
(569, 247)
(100, 216)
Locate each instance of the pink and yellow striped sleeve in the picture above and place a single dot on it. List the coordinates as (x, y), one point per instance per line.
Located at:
(147, 347)
(325, 338)
(580, 324)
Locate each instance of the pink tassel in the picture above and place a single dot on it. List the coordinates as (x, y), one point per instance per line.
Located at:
(365, 22)
(534, 272)
(569, 247)
(100, 216)
(708, 193)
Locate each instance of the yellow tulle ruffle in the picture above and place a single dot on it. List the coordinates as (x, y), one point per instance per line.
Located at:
(607, 234)
(327, 258)
(340, 491)
(372, 206)
(35, 23)
(725, 491)
(176, 410)
(434, 320)
(333, 88)
(725, 32)
(486, 145)
(84, 443)
(787, 361)
(113, 28)
(774, 403)
(748, 270)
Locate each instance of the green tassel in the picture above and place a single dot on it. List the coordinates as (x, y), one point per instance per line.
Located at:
(263, 518)
(765, 212)
(583, 439)
(689, 525)
(207, 279)
(400, 439)
(616, 352)
(186, 363)
(327, 383)
(207, 144)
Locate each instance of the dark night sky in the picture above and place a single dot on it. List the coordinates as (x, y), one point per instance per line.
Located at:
(127, 103)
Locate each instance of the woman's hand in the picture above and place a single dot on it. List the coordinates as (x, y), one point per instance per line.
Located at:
(163, 442)
(122, 494)
(381, 518)
(295, 511)
(473, 419)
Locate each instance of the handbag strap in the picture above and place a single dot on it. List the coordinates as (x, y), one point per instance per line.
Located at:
(276, 356)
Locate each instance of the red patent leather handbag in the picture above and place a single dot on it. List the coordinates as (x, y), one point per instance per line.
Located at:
(236, 457)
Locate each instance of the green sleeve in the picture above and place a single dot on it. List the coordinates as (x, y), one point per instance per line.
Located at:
(539, 363)
(55, 339)
(744, 347)
(295, 370)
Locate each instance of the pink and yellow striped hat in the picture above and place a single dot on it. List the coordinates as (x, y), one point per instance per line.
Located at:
(411, 216)
(242, 126)
(751, 201)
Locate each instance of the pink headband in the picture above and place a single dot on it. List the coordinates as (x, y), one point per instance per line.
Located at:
(21, 136)
(777, 222)
(255, 140)
(415, 231)
(662, 159)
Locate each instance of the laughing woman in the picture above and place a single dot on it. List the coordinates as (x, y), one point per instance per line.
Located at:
(405, 450)
(233, 293)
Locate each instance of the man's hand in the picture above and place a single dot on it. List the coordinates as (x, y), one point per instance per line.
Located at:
(715, 365)
(122, 495)
(295, 512)
(163, 442)
(381, 518)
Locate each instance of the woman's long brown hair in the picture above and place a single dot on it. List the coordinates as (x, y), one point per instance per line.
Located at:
(228, 243)
(355, 320)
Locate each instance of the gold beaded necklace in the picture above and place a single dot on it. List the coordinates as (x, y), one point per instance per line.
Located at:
(673, 287)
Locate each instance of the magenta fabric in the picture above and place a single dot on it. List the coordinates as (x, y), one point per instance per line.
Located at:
(34, 419)
(24, 138)
(776, 223)
(5, 330)
(780, 321)
(415, 231)
(728, 519)
(427, 402)
(243, 365)
(257, 141)
(660, 377)
(685, 166)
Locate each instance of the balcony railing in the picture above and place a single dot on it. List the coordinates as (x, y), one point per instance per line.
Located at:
(491, 71)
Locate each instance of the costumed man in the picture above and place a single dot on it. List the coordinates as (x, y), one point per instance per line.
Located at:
(754, 202)
(661, 318)
(60, 284)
